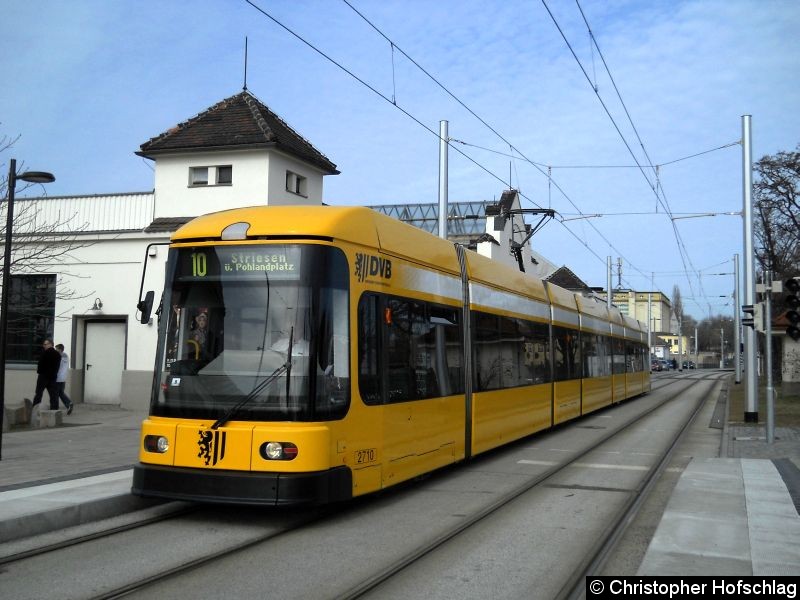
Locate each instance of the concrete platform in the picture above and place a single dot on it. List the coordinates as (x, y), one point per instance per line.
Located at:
(727, 516)
(29, 511)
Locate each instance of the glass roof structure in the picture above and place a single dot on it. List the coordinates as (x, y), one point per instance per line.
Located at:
(466, 221)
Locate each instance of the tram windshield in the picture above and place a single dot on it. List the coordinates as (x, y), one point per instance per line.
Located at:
(230, 313)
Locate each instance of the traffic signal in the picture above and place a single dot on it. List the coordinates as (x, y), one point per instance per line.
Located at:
(792, 301)
(756, 320)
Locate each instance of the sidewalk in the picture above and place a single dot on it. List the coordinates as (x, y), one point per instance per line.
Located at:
(79, 472)
(736, 514)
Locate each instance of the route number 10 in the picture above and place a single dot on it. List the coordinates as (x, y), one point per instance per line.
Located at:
(199, 264)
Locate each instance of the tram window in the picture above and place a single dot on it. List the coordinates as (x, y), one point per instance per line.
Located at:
(413, 348)
(596, 355)
(631, 357)
(400, 371)
(640, 357)
(566, 354)
(619, 356)
(608, 349)
(510, 352)
(487, 352)
(368, 350)
(536, 348)
(447, 348)
(592, 360)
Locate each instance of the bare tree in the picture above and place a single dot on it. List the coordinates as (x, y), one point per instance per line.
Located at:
(777, 202)
(42, 241)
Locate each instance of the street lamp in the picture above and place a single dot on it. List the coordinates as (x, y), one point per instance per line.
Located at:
(30, 177)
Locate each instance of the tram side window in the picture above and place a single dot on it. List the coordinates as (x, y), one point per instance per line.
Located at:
(631, 357)
(415, 348)
(596, 358)
(536, 341)
(418, 362)
(619, 356)
(509, 352)
(566, 354)
(369, 350)
(403, 319)
(447, 347)
(642, 353)
(636, 354)
(488, 362)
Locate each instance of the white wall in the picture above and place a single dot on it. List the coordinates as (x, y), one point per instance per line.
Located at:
(278, 195)
(502, 253)
(176, 198)
(258, 178)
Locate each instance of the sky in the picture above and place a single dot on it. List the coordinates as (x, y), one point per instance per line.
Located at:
(86, 82)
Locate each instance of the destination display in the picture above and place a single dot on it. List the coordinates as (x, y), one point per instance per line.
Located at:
(250, 262)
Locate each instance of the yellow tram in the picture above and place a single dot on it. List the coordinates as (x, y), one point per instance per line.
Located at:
(314, 354)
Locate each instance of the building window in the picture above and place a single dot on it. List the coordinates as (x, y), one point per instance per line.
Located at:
(31, 315)
(296, 184)
(220, 175)
(224, 175)
(198, 176)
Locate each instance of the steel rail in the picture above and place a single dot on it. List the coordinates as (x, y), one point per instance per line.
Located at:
(88, 537)
(600, 551)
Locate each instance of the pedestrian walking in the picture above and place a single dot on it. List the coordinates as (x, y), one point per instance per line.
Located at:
(46, 373)
(61, 378)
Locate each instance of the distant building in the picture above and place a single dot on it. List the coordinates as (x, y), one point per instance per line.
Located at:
(635, 304)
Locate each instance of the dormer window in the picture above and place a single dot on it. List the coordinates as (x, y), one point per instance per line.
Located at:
(296, 184)
(219, 175)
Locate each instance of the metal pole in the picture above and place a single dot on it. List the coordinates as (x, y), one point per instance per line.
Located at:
(608, 273)
(750, 337)
(680, 343)
(12, 182)
(737, 321)
(649, 322)
(696, 357)
(443, 147)
(768, 351)
(721, 348)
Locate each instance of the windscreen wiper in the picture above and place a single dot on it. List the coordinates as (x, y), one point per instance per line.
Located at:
(284, 368)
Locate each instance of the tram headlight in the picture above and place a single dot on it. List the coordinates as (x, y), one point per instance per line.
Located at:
(156, 443)
(278, 451)
(273, 450)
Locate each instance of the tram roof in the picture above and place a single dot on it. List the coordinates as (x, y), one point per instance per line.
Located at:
(354, 224)
(561, 297)
(486, 270)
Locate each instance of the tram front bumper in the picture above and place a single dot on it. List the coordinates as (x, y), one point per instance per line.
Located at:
(239, 487)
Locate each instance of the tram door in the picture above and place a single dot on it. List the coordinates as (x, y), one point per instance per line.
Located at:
(104, 360)
(424, 415)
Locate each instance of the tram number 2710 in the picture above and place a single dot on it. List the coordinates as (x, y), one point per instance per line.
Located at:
(365, 456)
